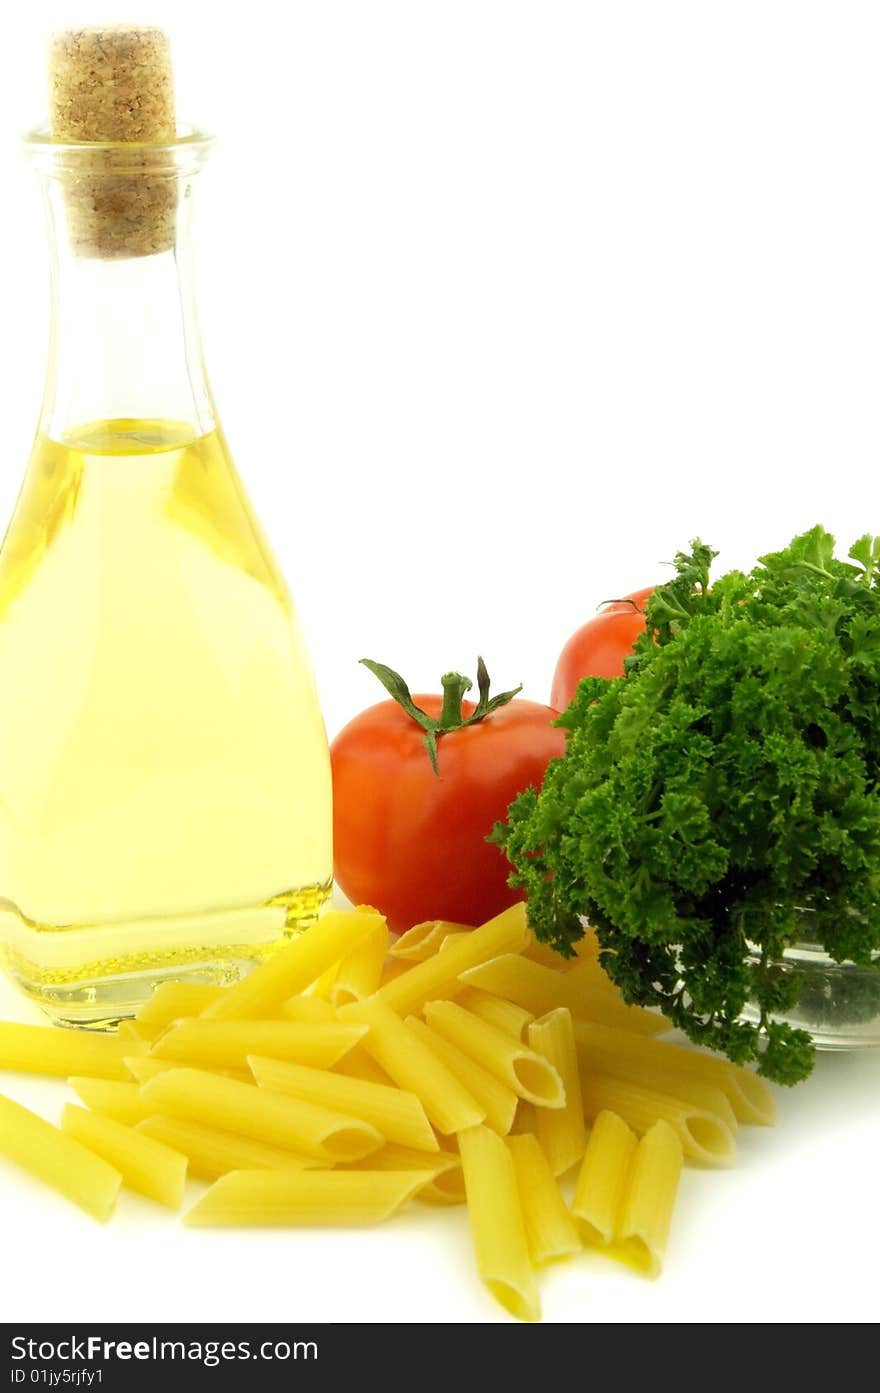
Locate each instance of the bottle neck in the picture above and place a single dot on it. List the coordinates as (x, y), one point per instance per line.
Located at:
(124, 341)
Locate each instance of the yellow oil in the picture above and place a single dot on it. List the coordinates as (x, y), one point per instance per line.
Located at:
(164, 778)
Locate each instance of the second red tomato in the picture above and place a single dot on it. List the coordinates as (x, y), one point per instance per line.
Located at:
(599, 647)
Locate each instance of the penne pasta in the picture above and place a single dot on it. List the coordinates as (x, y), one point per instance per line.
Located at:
(588, 946)
(749, 1095)
(394, 967)
(650, 1200)
(58, 1160)
(497, 1225)
(111, 1098)
(130, 1030)
(147, 1066)
(444, 1183)
(357, 1064)
(306, 1198)
(296, 966)
(504, 1015)
(172, 1001)
(180, 1001)
(44, 1049)
(703, 1135)
(254, 1112)
(228, 1043)
(426, 981)
(360, 973)
(588, 973)
(658, 1075)
(521, 1069)
(561, 1131)
(423, 940)
(538, 952)
(602, 1179)
(146, 1165)
(212, 1153)
(412, 1065)
(494, 1097)
(322, 988)
(452, 938)
(550, 1229)
(346, 1076)
(398, 1115)
(143, 1067)
(540, 989)
(307, 1009)
(525, 1120)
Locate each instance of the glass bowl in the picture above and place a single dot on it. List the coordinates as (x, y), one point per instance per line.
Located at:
(839, 1003)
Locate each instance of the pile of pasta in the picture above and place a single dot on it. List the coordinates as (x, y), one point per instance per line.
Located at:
(346, 1076)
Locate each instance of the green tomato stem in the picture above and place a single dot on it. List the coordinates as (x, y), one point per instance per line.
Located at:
(454, 688)
(451, 717)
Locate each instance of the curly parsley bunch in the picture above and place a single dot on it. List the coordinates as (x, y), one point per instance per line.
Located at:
(727, 782)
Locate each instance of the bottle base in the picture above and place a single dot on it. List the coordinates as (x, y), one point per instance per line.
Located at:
(60, 971)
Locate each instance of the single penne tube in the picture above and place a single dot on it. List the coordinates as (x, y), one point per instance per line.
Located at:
(322, 1199)
(749, 1095)
(255, 1112)
(538, 952)
(494, 1097)
(504, 1015)
(650, 1199)
(602, 1179)
(550, 1229)
(130, 1030)
(423, 940)
(588, 973)
(497, 1225)
(526, 1120)
(561, 1131)
(173, 1001)
(322, 988)
(357, 1064)
(228, 1043)
(426, 981)
(398, 1115)
(147, 1066)
(212, 1152)
(521, 1069)
(703, 1135)
(588, 946)
(44, 1049)
(111, 1098)
(360, 972)
(444, 1183)
(657, 1075)
(307, 1009)
(55, 1158)
(413, 1066)
(296, 966)
(146, 1165)
(540, 989)
(394, 967)
(452, 938)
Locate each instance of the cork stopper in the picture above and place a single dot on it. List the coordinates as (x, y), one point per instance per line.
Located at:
(115, 85)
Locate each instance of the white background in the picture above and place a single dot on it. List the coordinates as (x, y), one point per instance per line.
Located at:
(503, 303)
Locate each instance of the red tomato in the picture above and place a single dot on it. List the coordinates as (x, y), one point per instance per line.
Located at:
(639, 598)
(414, 844)
(599, 646)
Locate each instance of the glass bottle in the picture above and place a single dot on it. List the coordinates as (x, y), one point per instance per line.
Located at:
(165, 803)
